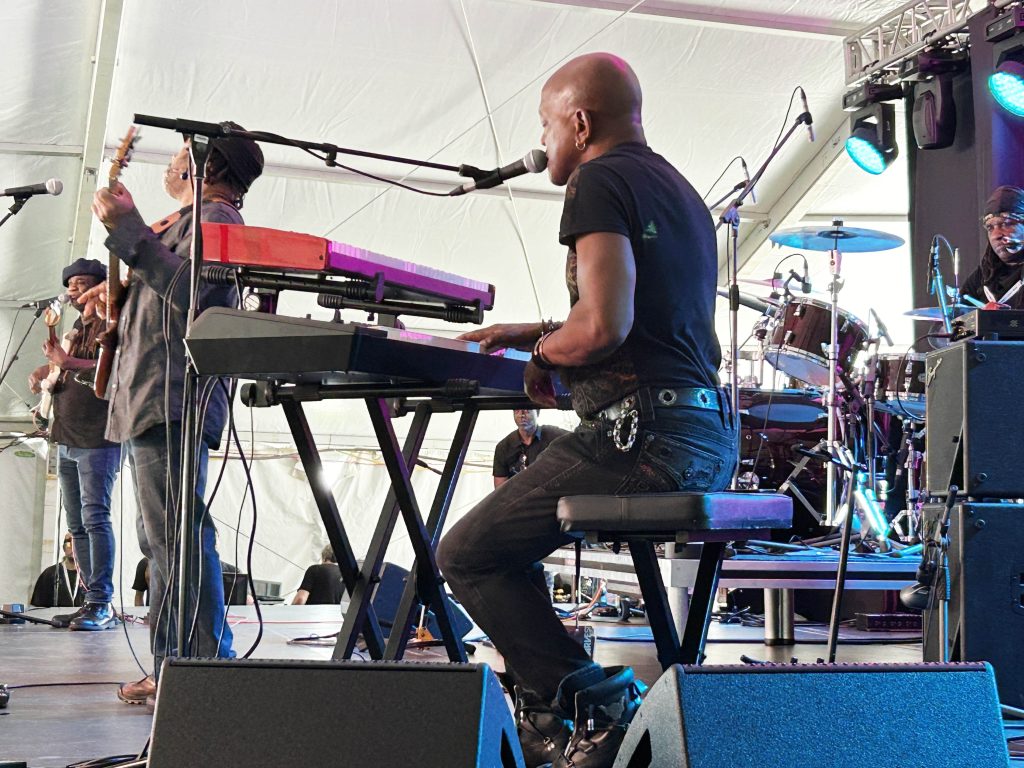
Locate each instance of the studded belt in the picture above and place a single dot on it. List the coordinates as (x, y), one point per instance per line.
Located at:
(626, 415)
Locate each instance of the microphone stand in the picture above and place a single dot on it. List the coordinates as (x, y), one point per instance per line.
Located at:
(224, 130)
(17, 350)
(19, 203)
(939, 288)
(731, 217)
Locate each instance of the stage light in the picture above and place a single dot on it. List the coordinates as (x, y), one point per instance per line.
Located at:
(1007, 86)
(872, 143)
(1006, 83)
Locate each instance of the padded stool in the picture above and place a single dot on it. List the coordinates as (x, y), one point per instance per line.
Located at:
(645, 519)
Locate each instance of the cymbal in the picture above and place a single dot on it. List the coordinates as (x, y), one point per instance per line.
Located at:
(935, 313)
(845, 239)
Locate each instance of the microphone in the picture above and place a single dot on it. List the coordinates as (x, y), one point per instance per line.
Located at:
(48, 187)
(933, 264)
(533, 161)
(806, 116)
(746, 175)
(881, 327)
(62, 298)
(805, 283)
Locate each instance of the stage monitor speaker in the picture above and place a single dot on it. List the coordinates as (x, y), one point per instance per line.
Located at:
(818, 716)
(976, 384)
(388, 597)
(986, 576)
(281, 714)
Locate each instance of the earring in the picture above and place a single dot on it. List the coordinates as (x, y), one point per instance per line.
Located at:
(581, 145)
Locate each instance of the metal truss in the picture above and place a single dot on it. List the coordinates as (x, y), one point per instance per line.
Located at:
(880, 47)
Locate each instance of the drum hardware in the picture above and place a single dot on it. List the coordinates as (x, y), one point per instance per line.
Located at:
(730, 217)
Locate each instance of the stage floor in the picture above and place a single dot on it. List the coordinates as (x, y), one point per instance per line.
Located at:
(47, 727)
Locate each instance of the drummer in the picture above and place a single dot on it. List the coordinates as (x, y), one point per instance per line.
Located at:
(998, 279)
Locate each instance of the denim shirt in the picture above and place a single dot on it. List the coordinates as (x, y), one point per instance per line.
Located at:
(147, 380)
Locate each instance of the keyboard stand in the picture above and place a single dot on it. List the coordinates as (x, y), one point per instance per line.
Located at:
(426, 586)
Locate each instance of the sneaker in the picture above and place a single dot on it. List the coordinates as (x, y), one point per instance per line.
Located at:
(138, 692)
(94, 617)
(63, 620)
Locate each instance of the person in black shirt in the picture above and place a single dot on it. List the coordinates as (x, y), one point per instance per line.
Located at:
(639, 353)
(141, 582)
(520, 449)
(321, 584)
(58, 586)
(997, 280)
(87, 463)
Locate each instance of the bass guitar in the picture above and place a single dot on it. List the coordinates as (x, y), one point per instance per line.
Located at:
(115, 290)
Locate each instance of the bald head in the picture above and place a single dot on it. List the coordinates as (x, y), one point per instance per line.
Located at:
(589, 105)
(602, 84)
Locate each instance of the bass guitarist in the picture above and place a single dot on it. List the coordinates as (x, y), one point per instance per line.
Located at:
(87, 463)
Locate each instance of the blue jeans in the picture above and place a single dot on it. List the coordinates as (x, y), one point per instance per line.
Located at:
(155, 458)
(489, 556)
(86, 477)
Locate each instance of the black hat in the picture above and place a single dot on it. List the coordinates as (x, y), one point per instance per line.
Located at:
(83, 267)
(1005, 199)
(244, 156)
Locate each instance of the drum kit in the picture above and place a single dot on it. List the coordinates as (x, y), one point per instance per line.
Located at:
(845, 404)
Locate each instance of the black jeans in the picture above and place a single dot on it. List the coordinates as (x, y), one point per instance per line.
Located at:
(487, 556)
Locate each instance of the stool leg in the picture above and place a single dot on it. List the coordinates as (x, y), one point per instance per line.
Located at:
(702, 602)
(659, 613)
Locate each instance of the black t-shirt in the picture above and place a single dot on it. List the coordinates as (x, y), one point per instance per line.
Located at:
(1004, 278)
(79, 417)
(634, 192)
(55, 581)
(323, 582)
(141, 581)
(512, 456)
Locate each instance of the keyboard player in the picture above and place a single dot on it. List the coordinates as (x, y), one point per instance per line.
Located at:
(639, 354)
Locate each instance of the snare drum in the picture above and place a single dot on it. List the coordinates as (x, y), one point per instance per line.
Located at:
(799, 338)
(899, 385)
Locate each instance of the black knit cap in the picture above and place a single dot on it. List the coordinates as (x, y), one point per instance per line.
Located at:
(83, 267)
(1005, 199)
(244, 156)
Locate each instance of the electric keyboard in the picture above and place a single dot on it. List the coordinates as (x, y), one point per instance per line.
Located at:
(254, 345)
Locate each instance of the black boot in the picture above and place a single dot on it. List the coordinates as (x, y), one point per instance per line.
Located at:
(94, 617)
(543, 733)
(63, 620)
(603, 710)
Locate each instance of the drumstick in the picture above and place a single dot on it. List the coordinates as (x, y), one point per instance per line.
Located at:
(1012, 292)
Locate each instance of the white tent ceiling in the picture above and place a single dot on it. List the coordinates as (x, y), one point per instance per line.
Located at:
(450, 80)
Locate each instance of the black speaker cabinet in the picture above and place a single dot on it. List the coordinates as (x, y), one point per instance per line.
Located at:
(819, 716)
(977, 384)
(281, 714)
(986, 607)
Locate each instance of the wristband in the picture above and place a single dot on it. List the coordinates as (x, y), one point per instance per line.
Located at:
(537, 358)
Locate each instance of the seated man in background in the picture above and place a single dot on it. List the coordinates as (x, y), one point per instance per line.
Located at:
(58, 585)
(321, 584)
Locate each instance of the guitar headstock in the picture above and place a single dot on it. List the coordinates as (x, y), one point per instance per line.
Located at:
(123, 155)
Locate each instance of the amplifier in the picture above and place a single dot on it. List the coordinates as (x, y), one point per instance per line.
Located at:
(974, 387)
(992, 324)
(986, 605)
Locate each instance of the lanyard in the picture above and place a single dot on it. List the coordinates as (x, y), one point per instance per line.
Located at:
(67, 582)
